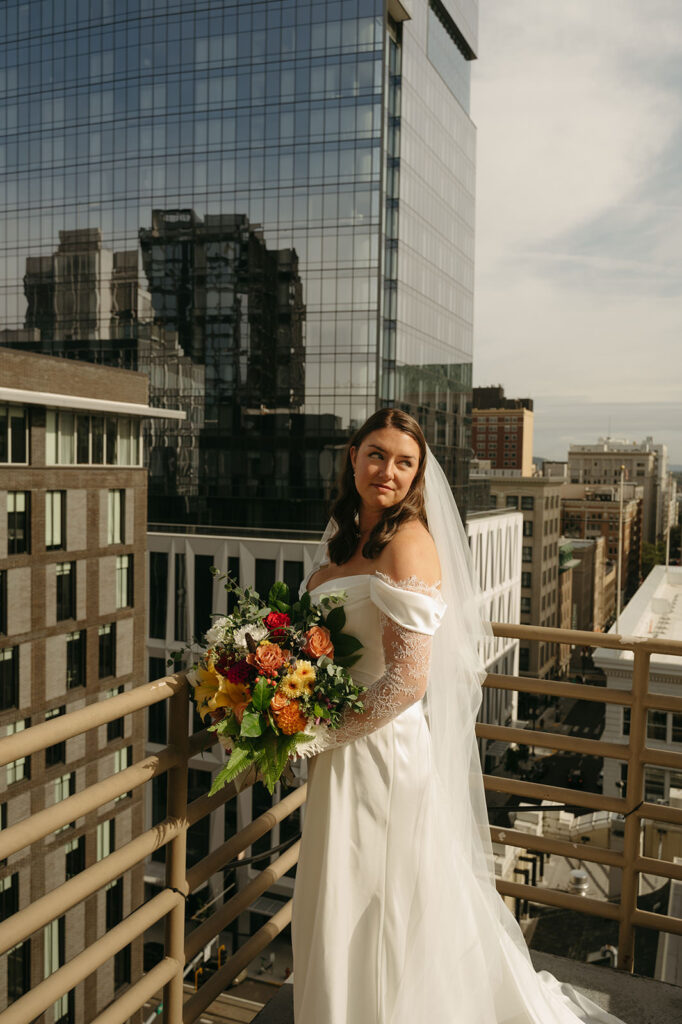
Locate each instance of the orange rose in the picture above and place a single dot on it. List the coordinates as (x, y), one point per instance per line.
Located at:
(269, 659)
(318, 642)
(278, 702)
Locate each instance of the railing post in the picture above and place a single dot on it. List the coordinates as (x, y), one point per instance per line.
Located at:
(176, 856)
(634, 795)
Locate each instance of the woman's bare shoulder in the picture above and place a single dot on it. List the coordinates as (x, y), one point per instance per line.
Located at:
(412, 552)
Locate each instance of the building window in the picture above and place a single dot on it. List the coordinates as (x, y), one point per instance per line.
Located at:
(654, 784)
(527, 528)
(107, 650)
(54, 950)
(158, 725)
(114, 903)
(97, 436)
(13, 434)
(75, 857)
(158, 594)
(18, 522)
(9, 895)
(125, 578)
(116, 517)
(66, 590)
(122, 967)
(18, 971)
(677, 729)
(19, 770)
(115, 729)
(123, 758)
(106, 838)
(3, 602)
(56, 754)
(293, 577)
(203, 593)
(525, 579)
(512, 501)
(528, 503)
(265, 576)
(657, 725)
(526, 554)
(55, 520)
(9, 678)
(159, 804)
(180, 624)
(64, 787)
(75, 659)
(524, 659)
(525, 605)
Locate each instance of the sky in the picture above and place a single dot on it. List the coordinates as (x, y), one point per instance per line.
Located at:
(578, 300)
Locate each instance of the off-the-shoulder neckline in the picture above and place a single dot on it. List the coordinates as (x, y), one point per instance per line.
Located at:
(412, 583)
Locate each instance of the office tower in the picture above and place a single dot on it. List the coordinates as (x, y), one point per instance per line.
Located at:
(502, 430)
(282, 190)
(73, 521)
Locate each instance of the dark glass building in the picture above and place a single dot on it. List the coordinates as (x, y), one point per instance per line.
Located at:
(267, 206)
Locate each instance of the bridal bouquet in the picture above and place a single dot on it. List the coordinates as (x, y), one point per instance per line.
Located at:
(273, 675)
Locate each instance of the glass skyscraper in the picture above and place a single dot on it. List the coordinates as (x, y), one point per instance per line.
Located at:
(267, 206)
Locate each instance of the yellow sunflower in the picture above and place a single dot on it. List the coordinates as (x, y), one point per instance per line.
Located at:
(299, 680)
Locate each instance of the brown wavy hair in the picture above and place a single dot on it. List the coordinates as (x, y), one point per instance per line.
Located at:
(346, 507)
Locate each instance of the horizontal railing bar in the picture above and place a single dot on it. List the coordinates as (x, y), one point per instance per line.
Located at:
(663, 702)
(553, 740)
(65, 727)
(665, 758)
(38, 825)
(561, 847)
(574, 797)
(660, 812)
(240, 902)
(211, 989)
(659, 922)
(199, 741)
(120, 1011)
(28, 1007)
(206, 804)
(655, 866)
(553, 688)
(75, 890)
(584, 638)
(556, 898)
(217, 859)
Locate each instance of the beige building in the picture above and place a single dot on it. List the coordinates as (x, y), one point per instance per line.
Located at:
(539, 501)
(565, 597)
(589, 611)
(589, 511)
(73, 520)
(502, 430)
(646, 464)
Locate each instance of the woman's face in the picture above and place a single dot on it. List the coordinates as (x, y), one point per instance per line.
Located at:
(385, 464)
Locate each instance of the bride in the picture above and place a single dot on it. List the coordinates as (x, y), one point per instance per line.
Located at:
(396, 917)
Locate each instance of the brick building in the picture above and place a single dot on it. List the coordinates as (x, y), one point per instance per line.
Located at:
(502, 430)
(73, 520)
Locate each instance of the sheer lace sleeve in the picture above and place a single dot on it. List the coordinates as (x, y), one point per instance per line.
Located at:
(407, 657)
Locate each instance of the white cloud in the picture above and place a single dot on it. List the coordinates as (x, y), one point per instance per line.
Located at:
(579, 201)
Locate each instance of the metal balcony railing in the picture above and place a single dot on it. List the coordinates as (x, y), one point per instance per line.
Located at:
(169, 904)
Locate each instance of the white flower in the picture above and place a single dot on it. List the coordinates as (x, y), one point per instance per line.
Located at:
(215, 633)
(256, 631)
(316, 744)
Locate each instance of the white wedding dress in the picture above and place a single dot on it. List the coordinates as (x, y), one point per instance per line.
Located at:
(391, 924)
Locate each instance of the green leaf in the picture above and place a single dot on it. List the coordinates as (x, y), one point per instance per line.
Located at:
(336, 620)
(262, 694)
(279, 596)
(251, 724)
(319, 711)
(228, 726)
(240, 759)
(344, 644)
(348, 660)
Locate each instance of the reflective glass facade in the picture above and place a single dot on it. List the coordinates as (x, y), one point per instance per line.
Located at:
(267, 207)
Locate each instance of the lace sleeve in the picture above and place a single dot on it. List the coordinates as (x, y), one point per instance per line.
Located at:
(407, 655)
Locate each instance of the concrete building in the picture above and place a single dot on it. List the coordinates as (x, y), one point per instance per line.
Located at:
(567, 563)
(588, 582)
(73, 519)
(539, 501)
(594, 510)
(646, 464)
(502, 430)
(654, 611)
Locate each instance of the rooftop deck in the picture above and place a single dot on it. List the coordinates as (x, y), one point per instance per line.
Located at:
(645, 1000)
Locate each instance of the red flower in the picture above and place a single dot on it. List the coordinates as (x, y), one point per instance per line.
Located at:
(274, 623)
(223, 663)
(240, 674)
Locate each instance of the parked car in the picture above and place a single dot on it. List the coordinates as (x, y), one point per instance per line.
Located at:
(575, 778)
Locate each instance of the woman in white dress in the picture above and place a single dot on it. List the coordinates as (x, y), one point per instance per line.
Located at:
(396, 918)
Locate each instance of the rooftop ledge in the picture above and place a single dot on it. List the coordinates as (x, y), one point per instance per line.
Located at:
(636, 1000)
